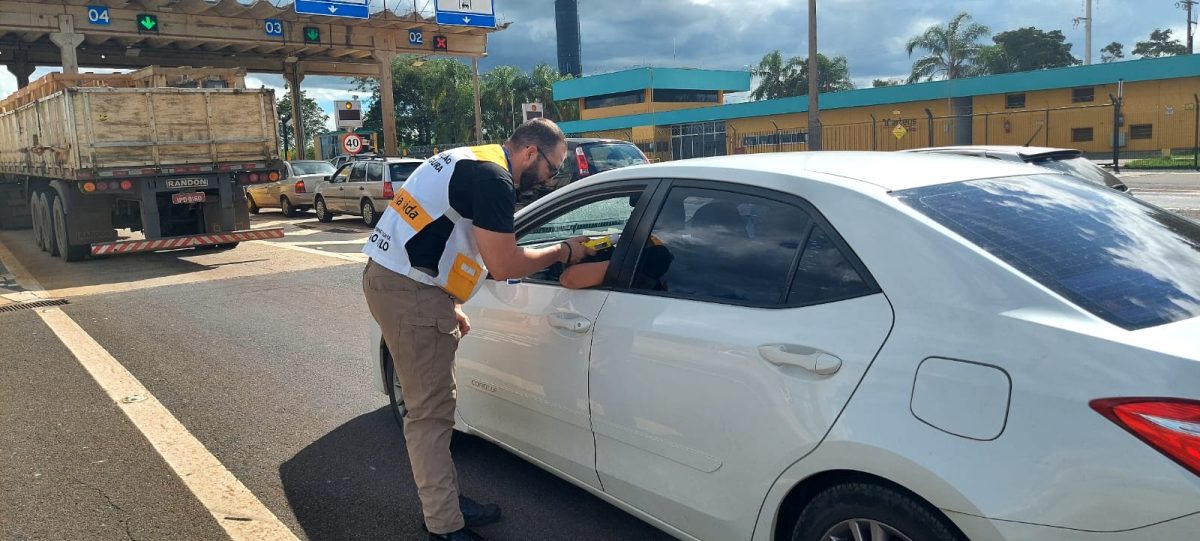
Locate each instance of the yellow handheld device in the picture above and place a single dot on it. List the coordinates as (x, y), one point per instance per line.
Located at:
(599, 243)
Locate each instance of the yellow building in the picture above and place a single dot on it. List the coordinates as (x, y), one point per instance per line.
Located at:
(1069, 107)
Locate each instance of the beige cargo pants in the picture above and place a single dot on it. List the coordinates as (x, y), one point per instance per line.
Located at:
(422, 334)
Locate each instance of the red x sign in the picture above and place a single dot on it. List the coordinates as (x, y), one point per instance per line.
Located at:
(439, 43)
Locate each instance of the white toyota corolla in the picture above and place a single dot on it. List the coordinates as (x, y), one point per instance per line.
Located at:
(867, 346)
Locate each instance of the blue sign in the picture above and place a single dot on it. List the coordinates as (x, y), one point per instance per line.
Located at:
(98, 15)
(415, 37)
(273, 27)
(458, 18)
(355, 9)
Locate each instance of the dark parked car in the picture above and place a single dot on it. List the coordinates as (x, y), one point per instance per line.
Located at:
(587, 156)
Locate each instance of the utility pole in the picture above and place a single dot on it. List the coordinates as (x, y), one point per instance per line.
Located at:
(1187, 6)
(814, 112)
(1087, 31)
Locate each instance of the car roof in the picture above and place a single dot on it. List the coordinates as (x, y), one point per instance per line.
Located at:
(403, 160)
(589, 140)
(1024, 152)
(887, 170)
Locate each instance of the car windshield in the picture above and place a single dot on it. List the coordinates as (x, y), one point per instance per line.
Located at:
(313, 168)
(1079, 167)
(401, 171)
(612, 156)
(1127, 262)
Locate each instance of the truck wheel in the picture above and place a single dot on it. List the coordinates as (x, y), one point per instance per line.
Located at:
(369, 215)
(253, 206)
(69, 252)
(323, 213)
(37, 221)
(49, 233)
(285, 205)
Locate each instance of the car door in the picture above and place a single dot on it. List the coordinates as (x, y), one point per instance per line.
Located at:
(734, 340)
(332, 189)
(523, 369)
(348, 192)
(373, 186)
(275, 189)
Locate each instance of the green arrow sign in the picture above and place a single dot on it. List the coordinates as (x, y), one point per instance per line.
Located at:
(147, 23)
(312, 33)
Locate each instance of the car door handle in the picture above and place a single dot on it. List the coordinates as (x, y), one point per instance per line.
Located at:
(570, 322)
(811, 359)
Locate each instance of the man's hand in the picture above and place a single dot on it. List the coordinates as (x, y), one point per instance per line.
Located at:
(576, 251)
(464, 322)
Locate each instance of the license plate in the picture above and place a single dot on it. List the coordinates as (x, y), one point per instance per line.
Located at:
(187, 197)
(187, 183)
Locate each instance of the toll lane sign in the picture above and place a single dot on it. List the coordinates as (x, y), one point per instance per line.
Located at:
(355, 9)
(98, 15)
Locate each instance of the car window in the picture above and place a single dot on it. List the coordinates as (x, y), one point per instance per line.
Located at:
(401, 171)
(358, 172)
(1127, 262)
(342, 174)
(374, 172)
(716, 245)
(312, 168)
(1079, 167)
(604, 157)
(593, 217)
(825, 274)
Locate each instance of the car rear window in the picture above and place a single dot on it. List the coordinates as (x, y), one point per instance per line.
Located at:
(313, 168)
(401, 171)
(1125, 261)
(612, 156)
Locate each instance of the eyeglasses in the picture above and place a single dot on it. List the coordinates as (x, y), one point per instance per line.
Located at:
(554, 171)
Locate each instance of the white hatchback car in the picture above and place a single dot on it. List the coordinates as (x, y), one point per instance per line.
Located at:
(868, 346)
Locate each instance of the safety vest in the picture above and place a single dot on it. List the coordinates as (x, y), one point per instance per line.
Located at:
(422, 200)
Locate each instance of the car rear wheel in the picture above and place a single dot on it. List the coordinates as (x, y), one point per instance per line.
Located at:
(396, 395)
(253, 206)
(323, 213)
(285, 204)
(868, 512)
(368, 213)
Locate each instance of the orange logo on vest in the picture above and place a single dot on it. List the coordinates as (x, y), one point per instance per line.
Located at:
(411, 210)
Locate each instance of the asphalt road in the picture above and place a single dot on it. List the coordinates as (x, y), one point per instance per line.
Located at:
(259, 351)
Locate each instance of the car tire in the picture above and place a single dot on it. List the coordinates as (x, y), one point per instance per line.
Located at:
(36, 220)
(49, 234)
(323, 214)
(69, 252)
(888, 514)
(252, 205)
(395, 395)
(285, 205)
(369, 216)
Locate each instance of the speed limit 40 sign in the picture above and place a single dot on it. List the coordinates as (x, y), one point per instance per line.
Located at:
(352, 143)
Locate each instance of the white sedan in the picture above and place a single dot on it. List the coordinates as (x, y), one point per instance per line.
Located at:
(868, 346)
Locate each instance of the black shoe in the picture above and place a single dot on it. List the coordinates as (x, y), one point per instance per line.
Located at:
(477, 514)
(461, 535)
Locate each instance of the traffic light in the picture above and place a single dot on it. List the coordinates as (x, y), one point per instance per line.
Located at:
(147, 23)
(312, 34)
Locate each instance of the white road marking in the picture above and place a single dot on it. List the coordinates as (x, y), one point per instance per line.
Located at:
(356, 257)
(358, 242)
(234, 507)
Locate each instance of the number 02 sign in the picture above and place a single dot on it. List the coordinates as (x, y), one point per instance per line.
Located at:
(352, 143)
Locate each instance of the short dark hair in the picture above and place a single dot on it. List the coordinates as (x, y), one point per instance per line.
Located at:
(539, 132)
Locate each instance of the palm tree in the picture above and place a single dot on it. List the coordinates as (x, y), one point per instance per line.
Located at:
(777, 78)
(541, 88)
(953, 49)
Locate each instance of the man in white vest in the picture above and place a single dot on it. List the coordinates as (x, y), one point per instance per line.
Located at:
(448, 227)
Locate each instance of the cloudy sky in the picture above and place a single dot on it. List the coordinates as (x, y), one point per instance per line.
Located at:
(734, 34)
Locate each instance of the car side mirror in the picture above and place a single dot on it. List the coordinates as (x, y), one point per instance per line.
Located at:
(326, 178)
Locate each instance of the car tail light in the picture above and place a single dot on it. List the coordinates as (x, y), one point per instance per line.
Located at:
(387, 190)
(300, 186)
(581, 161)
(126, 185)
(1170, 425)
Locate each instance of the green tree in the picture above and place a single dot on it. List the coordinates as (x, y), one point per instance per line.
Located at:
(951, 50)
(502, 90)
(433, 98)
(777, 77)
(1112, 51)
(879, 83)
(541, 88)
(1026, 49)
(1160, 44)
(833, 74)
(313, 119)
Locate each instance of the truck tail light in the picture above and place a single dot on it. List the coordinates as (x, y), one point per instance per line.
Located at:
(1169, 425)
(102, 186)
(89, 187)
(387, 190)
(273, 175)
(126, 185)
(300, 186)
(581, 161)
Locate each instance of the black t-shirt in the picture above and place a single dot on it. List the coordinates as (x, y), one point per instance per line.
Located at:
(480, 191)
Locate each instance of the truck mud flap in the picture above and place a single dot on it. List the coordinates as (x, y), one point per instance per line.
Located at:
(173, 243)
